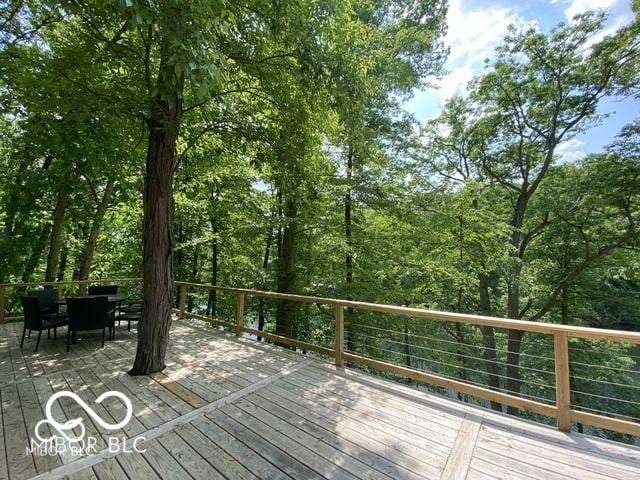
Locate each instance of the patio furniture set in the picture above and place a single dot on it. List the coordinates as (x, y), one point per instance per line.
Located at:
(100, 309)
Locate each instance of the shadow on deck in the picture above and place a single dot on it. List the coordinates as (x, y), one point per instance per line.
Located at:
(234, 409)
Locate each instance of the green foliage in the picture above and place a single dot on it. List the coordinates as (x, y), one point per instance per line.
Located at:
(291, 116)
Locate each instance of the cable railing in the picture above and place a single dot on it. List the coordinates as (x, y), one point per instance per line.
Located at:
(558, 405)
(575, 393)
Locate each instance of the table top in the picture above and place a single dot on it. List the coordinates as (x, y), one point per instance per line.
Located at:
(110, 298)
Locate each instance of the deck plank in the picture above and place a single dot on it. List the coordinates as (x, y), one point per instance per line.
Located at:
(284, 462)
(271, 413)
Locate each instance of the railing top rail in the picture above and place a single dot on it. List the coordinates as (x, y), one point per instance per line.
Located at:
(70, 282)
(497, 322)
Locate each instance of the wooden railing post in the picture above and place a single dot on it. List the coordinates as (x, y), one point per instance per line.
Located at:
(239, 314)
(563, 388)
(2, 303)
(339, 334)
(183, 300)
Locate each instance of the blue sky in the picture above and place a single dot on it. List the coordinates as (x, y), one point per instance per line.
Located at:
(476, 28)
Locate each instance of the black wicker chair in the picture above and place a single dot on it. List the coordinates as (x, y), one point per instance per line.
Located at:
(48, 298)
(88, 313)
(36, 319)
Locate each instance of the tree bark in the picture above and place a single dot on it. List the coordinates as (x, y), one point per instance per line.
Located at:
(62, 268)
(157, 229)
(55, 239)
(86, 257)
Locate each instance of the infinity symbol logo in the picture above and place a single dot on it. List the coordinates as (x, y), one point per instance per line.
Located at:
(69, 425)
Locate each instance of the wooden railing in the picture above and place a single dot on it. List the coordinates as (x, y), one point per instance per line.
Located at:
(562, 410)
(5, 287)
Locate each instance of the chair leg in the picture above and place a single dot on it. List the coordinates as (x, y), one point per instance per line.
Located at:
(55, 332)
(129, 325)
(24, 330)
(38, 341)
(102, 337)
(48, 334)
(29, 333)
(68, 339)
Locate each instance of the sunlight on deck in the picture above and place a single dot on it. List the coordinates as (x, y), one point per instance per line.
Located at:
(229, 408)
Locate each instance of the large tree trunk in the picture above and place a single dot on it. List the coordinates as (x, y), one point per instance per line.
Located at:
(55, 239)
(86, 257)
(157, 229)
(285, 311)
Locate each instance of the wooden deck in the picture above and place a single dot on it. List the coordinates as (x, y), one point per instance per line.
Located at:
(234, 409)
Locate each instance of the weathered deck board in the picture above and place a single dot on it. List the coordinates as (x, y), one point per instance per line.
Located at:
(228, 408)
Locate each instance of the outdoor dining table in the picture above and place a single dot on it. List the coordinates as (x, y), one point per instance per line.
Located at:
(112, 299)
(117, 298)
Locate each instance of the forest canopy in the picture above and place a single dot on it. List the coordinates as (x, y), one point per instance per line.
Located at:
(266, 145)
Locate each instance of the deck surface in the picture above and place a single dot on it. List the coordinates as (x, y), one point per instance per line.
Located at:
(234, 409)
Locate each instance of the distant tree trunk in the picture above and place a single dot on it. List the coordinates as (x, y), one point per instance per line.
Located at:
(17, 189)
(194, 276)
(515, 337)
(265, 267)
(212, 302)
(348, 235)
(157, 229)
(407, 347)
(179, 255)
(33, 260)
(55, 239)
(285, 312)
(63, 262)
(89, 248)
(489, 340)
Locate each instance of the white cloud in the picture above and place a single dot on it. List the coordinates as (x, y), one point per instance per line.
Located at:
(577, 7)
(472, 35)
(570, 151)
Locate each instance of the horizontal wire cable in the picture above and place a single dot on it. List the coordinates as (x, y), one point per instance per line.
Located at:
(449, 341)
(606, 383)
(411, 345)
(606, 367)
(611, 354)
(461, 367)
(504, 390)
(604, 397)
